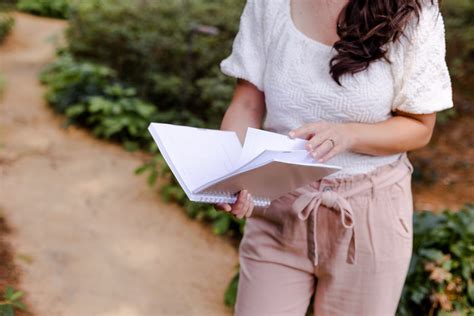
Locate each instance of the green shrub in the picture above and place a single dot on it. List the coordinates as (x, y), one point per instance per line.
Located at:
(440, 279)
(50, 8)
(91, 96)
(7, 4)
(11, 302)
(6, 24)
(459, 15)
(70, 82)
(118, 115)
(160, 49)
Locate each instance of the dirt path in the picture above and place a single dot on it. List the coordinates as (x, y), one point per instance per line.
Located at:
(91, 238)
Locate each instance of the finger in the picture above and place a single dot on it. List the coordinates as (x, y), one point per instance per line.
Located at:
(317, 139)
(251, 207)
(330, 154)
(322, 150)
(237, 209)
(224, 206)
(308, 130)
(302, 132)
(248, 204)
(245, 207)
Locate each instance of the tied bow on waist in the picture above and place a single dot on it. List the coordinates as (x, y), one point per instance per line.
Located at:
(308, 203)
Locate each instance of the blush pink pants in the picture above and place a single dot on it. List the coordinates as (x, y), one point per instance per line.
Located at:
(347, 241)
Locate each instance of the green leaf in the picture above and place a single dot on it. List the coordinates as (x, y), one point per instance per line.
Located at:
(75, 110)
(19, 305)
(141, 169)
(230, 294)
(9, 292)
(152, 177)
(470, 290)
(16, 295)
(221, 225)
(131, 146)
(431, 254)
(6, 310)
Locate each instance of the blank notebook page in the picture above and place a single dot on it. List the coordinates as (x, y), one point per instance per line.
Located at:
(199, 155)
(257, 140)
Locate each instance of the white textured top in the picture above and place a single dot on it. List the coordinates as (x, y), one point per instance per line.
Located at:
(293, 71)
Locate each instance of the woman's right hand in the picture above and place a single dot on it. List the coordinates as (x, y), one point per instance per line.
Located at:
(241, 208)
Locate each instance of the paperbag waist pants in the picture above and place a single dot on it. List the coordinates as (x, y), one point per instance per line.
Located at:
(347, 241)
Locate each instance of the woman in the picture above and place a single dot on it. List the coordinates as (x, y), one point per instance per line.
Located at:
(362, 81)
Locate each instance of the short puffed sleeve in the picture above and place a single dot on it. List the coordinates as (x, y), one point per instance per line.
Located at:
(247, 59)
(425, 83)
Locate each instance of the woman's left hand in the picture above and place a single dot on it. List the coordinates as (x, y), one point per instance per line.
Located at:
(325, 139)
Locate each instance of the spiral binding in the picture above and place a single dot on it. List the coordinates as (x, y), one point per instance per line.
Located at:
(228, 197)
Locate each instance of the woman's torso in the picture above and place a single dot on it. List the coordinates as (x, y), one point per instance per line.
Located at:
(299, 90)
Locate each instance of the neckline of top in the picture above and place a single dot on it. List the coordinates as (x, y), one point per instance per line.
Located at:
(299, 33)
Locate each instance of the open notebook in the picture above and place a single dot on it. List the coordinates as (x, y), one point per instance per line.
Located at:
(212, 166)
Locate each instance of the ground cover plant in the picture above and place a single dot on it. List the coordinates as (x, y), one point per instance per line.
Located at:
(440, 279)
(459, 15)
(49, 8)
(90, 95)
(11, 302)
(6, 23)
(169, 51)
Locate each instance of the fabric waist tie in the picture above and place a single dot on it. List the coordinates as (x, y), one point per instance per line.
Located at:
(309, 201)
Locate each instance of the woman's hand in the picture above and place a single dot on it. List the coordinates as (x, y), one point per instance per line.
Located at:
(325, 139)
(242, 207)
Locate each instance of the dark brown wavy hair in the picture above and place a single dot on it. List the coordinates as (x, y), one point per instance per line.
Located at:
(364, 26)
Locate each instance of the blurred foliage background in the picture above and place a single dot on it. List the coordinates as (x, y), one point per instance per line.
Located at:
(127, 63)
(6, 19)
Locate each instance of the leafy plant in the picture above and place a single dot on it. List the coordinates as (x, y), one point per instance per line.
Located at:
(443, 117)
(440, 279)
(460, 37)
(169, 51)
(7, 5)
(90, 95)
(118, 115)
(6, 24)
(50, 8)
(11, 301)
(70, 82)
(230, 294)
